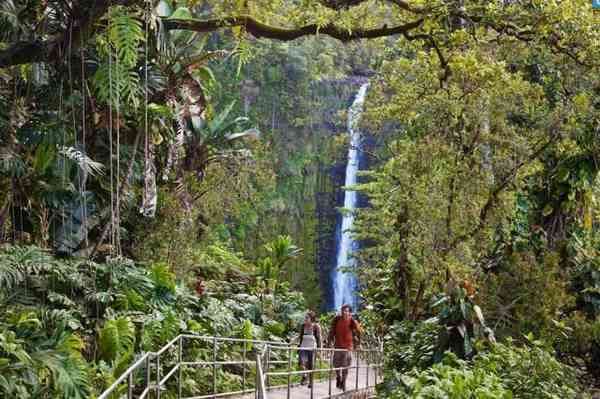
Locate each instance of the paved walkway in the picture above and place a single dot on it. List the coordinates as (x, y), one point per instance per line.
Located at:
(321, 388)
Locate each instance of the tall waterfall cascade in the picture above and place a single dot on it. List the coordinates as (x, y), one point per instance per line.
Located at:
(344, 281)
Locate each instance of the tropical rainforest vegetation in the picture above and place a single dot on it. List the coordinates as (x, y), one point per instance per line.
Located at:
(177, 166)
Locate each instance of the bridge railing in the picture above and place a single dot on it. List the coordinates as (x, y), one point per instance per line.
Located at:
(261, 361)
(369, 360)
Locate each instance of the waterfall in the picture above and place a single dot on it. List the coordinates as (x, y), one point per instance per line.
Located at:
(344, 282)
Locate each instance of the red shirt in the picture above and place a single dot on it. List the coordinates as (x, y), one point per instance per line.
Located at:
(343, 333)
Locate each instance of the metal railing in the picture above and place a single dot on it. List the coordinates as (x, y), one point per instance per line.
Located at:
(155, 372)
(368, 359)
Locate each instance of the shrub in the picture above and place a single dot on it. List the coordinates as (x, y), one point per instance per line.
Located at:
(502, 371)
(453, 378)
(529, 372)
(414, 344)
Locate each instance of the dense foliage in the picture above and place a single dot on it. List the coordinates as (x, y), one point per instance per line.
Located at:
(147, 148)
(69, 328)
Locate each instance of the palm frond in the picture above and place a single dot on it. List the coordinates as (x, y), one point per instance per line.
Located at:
(84, 162)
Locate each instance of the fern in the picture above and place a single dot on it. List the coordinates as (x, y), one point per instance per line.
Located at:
(160, 329)
(115, 81)
(118, 79)
(244, 54)
(125, 34)
(116, 339)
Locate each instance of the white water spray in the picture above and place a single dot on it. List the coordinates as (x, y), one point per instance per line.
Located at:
(344, 282)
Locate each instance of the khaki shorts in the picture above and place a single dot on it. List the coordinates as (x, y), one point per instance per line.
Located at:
(342, 359)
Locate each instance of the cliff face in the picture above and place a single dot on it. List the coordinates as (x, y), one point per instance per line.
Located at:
(299, 96)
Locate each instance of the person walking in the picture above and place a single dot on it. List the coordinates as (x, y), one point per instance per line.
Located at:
(342, 334)
(310, 339)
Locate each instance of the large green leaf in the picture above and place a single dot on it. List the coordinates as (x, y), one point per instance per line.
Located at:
(116, 339)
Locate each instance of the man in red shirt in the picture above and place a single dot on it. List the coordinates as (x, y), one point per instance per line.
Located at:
(344, 330)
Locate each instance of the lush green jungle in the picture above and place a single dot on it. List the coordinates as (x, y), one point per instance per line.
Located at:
(176, 166)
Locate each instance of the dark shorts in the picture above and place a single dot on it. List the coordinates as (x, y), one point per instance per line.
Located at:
(305, 358)
(342, 359)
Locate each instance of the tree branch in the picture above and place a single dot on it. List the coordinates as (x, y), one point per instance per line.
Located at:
(259, 29)
(26, 52)
(493, 198)
(50, 49)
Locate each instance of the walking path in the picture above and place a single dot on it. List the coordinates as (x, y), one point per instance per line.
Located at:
(321, 388)
(154, 372)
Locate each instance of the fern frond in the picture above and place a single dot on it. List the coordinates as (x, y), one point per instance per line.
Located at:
(116, 338)
(125, 33)
(117, 82)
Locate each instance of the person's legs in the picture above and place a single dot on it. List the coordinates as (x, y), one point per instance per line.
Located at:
(347, 362)
(338, 362)
(302, 363)
(343, 379)
(311, 366)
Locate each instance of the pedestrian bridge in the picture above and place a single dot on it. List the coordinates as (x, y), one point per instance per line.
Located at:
(193, 367)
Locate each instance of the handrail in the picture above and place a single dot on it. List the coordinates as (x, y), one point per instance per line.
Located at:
(154, 382)
(261, 391)
(126, 374)
(369, 354)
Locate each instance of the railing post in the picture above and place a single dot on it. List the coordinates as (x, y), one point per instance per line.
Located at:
(244, 367)
(256, 379)
(148, 371)
(130, 386)
(375, 369)
(357, 367)
(214, 383)
(256, 383)
(311, 376)
(180, 371)
(157, 376)
(380, 361)
(289, 376)
(331, 353)
(267, 366)
(368, 361)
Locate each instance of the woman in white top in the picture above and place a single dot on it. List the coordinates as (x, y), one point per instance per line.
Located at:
(310, 339)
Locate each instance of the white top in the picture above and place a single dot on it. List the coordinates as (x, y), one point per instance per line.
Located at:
(308, 339)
